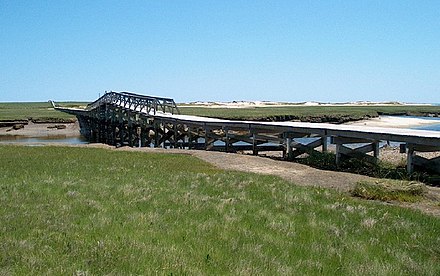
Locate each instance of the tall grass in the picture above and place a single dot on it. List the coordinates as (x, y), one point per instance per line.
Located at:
(38, 111)
(96, 211)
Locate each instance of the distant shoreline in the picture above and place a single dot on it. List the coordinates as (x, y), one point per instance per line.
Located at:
(250, 104)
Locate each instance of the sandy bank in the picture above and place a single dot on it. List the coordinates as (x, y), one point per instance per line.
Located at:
(394, 122)
(42, 130)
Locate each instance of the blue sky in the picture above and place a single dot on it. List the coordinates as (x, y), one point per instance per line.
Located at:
(328, 51)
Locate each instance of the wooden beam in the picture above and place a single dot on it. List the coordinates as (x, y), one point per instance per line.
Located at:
(349, 140)
(360, 152)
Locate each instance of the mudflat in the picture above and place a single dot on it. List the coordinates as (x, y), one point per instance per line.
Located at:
(43, 130)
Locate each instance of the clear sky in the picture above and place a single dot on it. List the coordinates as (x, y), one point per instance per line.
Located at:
(222, 50)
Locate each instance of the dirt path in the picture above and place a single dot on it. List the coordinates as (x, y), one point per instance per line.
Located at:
(294, 172)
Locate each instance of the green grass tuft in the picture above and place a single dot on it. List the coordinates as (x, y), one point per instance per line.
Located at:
(387, 190)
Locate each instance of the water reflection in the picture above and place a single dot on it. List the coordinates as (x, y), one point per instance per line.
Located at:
(17, 139)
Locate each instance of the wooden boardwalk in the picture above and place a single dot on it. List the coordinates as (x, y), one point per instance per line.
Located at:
(127, 119)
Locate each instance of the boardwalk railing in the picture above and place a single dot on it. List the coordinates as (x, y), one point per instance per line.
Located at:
(127, 119)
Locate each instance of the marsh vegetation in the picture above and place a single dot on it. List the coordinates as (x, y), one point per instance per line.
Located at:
(336, 114)
(77, 210)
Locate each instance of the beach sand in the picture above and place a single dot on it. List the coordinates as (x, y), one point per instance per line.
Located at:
(394, 122)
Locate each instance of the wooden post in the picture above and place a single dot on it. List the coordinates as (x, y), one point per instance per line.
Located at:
(338, 155)
(410, 159)
(206, 138)
(189, 137)
(174, 134)
(162, 126)
(139, 133)
(254, 144)
(376, 149)
(324, 143)
(156, 134)
(226, 140)
(289, 148)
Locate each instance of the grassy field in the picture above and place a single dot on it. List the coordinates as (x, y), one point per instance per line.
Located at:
(97, 211)
(43, 111)
(33, 110)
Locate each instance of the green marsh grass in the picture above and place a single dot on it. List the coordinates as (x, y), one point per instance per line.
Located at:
(387, 190)
(97, 211)
(38, 111)
(43, 110)
(309, 113)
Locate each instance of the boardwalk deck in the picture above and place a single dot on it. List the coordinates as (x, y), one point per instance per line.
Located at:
(136, 120)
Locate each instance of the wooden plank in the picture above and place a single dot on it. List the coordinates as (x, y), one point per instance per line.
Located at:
(310, 145)
(423, 148)
(348, 140)
(296, 135)
(357, 153)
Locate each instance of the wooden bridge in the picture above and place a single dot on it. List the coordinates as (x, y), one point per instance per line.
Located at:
(127, 119)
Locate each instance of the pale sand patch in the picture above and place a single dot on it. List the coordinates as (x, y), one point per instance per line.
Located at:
(42, 130)
(394, 122)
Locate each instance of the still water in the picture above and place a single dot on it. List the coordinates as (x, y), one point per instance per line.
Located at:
(435, 127)
(36, 140)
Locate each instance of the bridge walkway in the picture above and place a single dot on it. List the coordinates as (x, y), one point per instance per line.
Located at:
(122, 118)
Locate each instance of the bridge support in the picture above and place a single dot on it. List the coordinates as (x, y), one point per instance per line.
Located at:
(298, 143)
(355, 148)
(415, 161)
